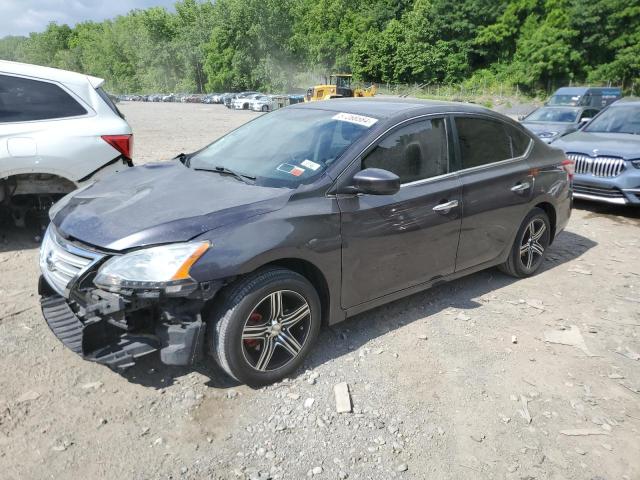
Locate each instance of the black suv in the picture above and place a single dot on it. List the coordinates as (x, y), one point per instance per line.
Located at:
(303, 216)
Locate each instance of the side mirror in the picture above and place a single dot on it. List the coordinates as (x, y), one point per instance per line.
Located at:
(376, 181)
(521, 117)
(584, 121)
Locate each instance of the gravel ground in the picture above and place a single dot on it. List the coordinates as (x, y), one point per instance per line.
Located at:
(460, 382)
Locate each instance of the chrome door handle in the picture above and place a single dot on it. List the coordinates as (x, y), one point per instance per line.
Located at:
(444, 207)
(521, 187)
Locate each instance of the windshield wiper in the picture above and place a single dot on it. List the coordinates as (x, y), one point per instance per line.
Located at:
(227, 171)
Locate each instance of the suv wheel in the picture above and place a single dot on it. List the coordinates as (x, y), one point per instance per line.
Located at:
(265, 108)
(530, 246)
(265, 326)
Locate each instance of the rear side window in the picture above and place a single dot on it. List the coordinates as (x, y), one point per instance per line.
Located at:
(107, 99)
(23, 99)
(482, 141)
(414, 152)
(519, 141)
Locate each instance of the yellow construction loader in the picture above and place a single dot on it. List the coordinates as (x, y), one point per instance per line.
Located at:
(339, 86)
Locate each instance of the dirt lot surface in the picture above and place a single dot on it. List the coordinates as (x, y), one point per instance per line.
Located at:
(484, 377)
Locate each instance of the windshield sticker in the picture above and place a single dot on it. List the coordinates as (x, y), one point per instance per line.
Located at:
(311, 165)
(357, 119)
(291, 169)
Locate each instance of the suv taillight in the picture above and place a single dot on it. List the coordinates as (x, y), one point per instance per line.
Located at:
(569, 167)
(122, 143)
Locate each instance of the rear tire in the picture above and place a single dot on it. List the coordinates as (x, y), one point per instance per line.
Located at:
(530, 246)
(265, 325)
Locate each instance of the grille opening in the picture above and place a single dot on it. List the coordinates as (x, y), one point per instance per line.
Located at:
(61, 263)
(597, 166)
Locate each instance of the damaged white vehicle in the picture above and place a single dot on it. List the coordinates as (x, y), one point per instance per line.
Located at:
(58, 131)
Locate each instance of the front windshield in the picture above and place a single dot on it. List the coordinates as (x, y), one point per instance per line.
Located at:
(286, 148)
(617, 120)
(560, 115)
(564, 100)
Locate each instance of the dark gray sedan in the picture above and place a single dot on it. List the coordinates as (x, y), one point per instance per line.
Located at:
(551, 123)
(607, 155)
(299, 218)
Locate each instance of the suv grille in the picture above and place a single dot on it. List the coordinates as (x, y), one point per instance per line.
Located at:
(598, 166)
(61, 262)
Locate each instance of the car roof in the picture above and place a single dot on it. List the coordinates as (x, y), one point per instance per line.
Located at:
(571, 90)
(48, 73)
(582, 90)
(389, 107)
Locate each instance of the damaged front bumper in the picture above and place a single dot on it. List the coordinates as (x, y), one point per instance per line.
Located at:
(116, 330)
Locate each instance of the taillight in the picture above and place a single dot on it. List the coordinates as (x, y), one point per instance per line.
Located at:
(122, 143)
(569, 167)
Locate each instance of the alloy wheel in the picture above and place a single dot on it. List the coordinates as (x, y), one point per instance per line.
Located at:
(276, 330)
(533, 244)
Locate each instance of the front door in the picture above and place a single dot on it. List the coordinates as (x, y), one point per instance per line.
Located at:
(497, 185)
(393, 242)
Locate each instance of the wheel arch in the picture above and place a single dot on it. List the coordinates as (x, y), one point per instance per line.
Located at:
(315, 276)
(550, 210)
(40, 178)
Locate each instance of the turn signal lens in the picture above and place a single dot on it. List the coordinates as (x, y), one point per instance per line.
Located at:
(183, 271)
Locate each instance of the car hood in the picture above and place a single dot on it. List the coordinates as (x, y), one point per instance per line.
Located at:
(607, 144)
(160, 203)
(541, 127)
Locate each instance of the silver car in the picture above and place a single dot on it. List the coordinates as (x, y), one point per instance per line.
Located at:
(551, 123)
(59, 130)
(606, 154)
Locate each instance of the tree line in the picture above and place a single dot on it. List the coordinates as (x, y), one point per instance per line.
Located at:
(224, 45)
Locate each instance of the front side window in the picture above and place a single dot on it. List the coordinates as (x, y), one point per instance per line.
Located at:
(286, 148)
(24, 99)
(482, 141)
(414, 152)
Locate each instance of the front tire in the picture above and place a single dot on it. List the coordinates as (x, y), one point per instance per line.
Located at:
(530, 246)
(265, 325)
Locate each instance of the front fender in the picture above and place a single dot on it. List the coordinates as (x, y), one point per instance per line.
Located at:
(307, 230)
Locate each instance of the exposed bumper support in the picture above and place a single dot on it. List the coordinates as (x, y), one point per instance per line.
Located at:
(99, 340)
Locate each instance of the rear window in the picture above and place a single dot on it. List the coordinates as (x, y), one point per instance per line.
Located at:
(24, 99)
(519, 141)
(107, 99)
(482, 141)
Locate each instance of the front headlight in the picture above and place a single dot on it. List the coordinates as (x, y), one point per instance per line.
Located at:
(157, 268)
(636, 163)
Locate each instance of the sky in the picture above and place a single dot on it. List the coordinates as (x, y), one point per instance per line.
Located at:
(20, 17)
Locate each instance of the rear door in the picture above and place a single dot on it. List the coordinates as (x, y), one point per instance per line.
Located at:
(393, 242)
(28, 110)
(497, 185)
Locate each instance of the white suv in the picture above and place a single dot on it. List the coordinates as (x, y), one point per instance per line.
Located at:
(58, 131)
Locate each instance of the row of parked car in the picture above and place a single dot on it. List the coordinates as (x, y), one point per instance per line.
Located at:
(256, 101)
(600, 132)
